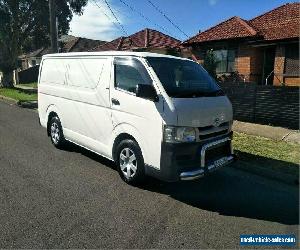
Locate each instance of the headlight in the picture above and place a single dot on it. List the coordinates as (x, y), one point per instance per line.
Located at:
(179, 134)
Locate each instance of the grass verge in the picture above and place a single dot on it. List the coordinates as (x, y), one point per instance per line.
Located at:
(18, 94)
(268, 148)
(278, 160)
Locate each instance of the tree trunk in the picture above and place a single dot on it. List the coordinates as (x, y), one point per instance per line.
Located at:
(8, 79)
(12, 45)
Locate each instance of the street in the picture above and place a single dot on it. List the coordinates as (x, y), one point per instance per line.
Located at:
(72, 198)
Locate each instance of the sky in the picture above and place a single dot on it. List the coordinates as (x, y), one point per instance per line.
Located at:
(191, 16)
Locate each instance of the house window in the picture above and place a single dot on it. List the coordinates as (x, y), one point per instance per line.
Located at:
(226, 60)
(292, 60)
(33, 62)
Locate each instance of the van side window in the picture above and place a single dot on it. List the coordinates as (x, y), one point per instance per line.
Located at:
(129, 72)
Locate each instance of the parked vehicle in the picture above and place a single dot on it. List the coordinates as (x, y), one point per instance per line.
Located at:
(152, 114)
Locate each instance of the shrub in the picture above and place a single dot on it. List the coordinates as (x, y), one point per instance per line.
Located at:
(210, 63)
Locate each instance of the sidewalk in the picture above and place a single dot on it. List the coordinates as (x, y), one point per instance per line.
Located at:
(26, 89)
(23, 86)
(275, 133)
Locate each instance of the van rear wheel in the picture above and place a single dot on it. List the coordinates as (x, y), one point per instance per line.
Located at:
(56, 133)
(130, 162)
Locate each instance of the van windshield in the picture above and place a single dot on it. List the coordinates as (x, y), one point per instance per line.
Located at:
(183, 78)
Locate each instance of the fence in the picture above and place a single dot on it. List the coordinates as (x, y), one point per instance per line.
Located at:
(271, 105)
(29, 75)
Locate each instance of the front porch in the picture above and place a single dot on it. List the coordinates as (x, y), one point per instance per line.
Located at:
(253, 62)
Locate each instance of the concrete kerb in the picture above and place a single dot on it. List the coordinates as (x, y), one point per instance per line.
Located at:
(275, 133)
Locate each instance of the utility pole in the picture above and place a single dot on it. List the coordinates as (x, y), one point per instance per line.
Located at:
(53, 26)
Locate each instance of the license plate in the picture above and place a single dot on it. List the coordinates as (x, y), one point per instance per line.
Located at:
(220, 162)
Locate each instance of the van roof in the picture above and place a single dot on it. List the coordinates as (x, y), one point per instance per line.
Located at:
(112, 53)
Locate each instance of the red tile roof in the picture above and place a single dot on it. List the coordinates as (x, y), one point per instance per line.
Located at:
(146, 38)
(280, 23)
(234, 27)
(80, 44)
(69, 45)
(113, 45)
(76, 44)
(37, 53)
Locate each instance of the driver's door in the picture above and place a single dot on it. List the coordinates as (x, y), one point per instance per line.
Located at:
(140, 114)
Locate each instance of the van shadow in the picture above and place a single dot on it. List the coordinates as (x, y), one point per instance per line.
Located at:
(71, 147)
(229, 192)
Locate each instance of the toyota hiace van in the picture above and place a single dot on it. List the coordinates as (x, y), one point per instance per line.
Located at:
(153, 114)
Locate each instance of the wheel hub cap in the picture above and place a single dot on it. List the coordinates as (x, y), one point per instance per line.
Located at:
(128, 163)
(55, 133)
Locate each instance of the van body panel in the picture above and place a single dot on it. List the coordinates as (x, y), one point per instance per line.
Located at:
(80, 108)
(125, 128)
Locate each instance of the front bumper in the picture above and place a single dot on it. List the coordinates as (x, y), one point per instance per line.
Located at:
(225, 160)
(198, 173)
(189, 161)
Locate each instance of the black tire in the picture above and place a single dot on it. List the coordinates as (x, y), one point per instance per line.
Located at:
(134, 177)
(57, 136)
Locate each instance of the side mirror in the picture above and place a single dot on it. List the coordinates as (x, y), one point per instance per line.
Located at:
(147, 92)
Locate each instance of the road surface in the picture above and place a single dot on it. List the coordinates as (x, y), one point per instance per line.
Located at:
(51, 198)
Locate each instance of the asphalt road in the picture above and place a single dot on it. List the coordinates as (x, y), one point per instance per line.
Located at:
(75, 199)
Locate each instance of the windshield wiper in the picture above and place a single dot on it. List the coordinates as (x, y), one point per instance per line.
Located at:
(218, 92)
(185, 94)
(195, 94)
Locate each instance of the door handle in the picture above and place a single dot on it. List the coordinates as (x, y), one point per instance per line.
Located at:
(115, 101)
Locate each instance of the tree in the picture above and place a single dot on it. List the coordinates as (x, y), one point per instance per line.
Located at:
(24, 26)
(210, 63)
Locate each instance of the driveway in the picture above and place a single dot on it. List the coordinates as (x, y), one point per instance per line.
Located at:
(51, 198)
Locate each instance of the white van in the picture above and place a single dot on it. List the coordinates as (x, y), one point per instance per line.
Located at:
(152, 114)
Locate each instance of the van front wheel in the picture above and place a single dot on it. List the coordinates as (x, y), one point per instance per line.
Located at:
(56, 133)
(130, 162)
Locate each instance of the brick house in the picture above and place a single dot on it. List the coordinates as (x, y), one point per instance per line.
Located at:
(75, 44)
(145, 40)
(264, 50)
(33, 58)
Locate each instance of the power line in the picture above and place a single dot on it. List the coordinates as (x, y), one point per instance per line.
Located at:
(121, 27)
(161, 12)
(108, 17)
(146, 18)
(122, 13)
(112, 12)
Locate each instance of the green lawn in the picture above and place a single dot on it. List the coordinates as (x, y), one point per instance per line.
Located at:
(268, 148)
(17, 94)
(30, 85)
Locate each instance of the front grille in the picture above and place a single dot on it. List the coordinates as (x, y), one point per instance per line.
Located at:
(216, 153)
(211, 135)
(207, 128)
(211, 131)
